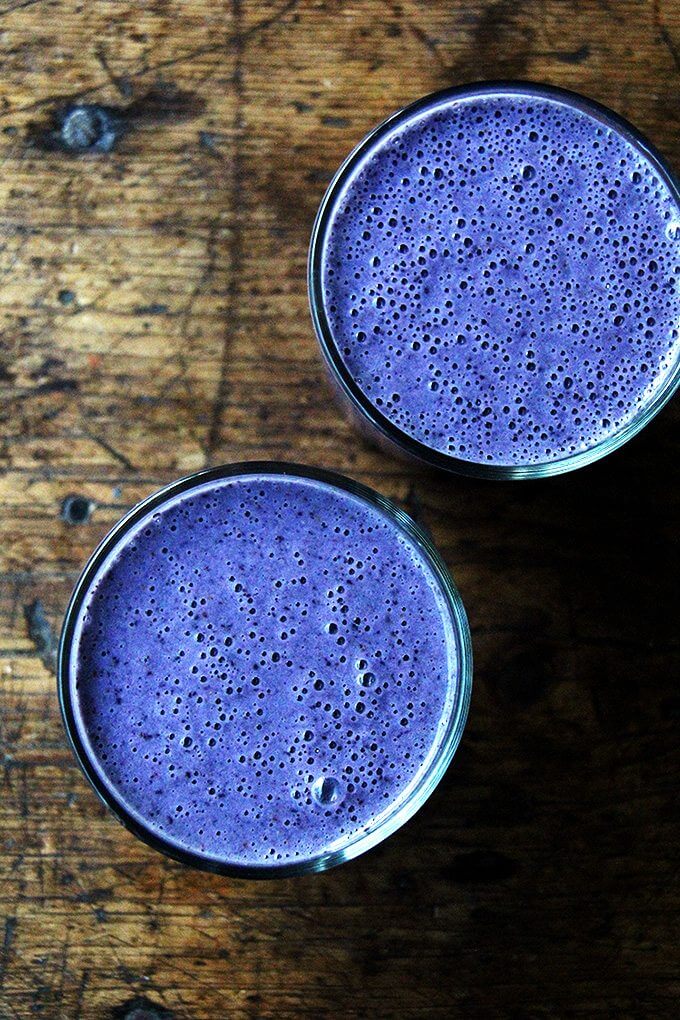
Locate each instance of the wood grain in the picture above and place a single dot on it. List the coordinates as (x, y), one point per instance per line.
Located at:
(154, 320)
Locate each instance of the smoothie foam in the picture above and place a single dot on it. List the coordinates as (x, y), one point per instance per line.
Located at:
(498, 275)
(263, 668)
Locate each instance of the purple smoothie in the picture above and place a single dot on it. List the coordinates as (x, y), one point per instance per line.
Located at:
(494, 274)
(264, 668)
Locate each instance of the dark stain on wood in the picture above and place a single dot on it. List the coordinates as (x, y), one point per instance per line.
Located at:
(573, 56)
(415, 506)
(209, 142)
(479, 866)
(502, 42)
(41, 633)
(155, 308)
(166, 103)
(525, 675)
(97, 895)
(403, 883)
(333, 120)
(7, 942)
(55, 386)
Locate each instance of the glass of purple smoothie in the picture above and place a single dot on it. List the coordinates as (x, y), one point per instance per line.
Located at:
(493, 278)
(264, 669)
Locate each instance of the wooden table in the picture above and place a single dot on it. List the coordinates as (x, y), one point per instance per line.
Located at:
(154, 320)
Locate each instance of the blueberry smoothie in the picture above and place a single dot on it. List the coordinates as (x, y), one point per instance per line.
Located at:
(265, 669)
(494, 280)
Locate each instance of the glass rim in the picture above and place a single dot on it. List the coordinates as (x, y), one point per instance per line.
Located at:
(448, 743)
(341, 375)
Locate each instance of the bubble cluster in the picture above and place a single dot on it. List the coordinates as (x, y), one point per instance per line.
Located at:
(500, 277)
(262, 668)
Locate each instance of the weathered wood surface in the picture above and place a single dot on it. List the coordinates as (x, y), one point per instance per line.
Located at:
(154, 320)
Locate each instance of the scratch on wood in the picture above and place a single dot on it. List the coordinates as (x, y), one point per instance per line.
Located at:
(120, 82)
(63, 967)
(108, 448)
(81, 994)
(278, 16)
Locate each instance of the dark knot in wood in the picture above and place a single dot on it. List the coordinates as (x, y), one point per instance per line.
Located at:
(76, 510)
(140, 1008)
(88, 127)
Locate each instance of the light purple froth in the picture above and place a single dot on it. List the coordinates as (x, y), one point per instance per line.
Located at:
(262, 669)
(500, 278)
